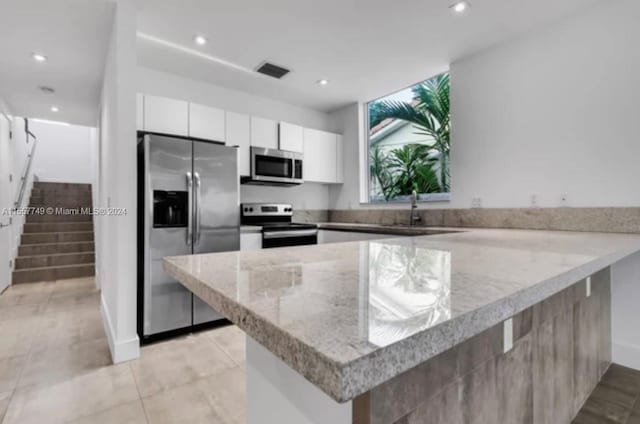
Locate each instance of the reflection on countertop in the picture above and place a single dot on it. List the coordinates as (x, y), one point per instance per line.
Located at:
(349, 316)
(409, 291)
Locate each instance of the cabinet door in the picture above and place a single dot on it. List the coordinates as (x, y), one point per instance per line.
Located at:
(339, 159)
(291, 137)
(238, 133)
(264, 133)
(250, 241)
(166, 116)
(140, 112)
(320, 150)
(206, 122)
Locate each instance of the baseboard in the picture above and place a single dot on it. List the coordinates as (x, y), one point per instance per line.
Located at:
(121, 350)
(626, 355)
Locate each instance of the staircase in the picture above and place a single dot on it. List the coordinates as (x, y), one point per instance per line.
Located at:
(56, 246)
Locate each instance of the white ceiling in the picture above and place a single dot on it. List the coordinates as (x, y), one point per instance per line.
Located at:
(366, 48)
(74, 35)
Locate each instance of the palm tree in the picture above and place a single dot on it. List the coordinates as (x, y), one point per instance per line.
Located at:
(429, 116)
(412, 169)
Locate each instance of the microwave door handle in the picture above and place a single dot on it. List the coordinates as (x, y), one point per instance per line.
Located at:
(189, 208)
(197, 206)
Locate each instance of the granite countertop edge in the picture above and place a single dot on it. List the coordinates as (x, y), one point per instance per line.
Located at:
(345, 381)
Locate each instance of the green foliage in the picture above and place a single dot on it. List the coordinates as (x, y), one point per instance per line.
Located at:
(430, 116)
(376, 110)
(405, 169)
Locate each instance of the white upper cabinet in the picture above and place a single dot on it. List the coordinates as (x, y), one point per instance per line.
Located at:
(238, 133)
(264, 133)
(320, 154)
(140, 112)
(167, 116)
(291, 137)
(206, 122)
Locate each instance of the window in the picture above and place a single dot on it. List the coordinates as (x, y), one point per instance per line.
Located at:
(408, 143)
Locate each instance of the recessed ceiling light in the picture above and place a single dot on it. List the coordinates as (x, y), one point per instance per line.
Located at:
(460, 6)
(323, 81)
(54, 108)
(200, 40)
(38, 57)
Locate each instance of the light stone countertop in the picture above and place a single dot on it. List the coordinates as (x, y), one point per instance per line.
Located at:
(350, 316)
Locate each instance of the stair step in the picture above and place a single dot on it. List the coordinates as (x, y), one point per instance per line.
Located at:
(53, 227)
(30, 275)
(36, 218)
(44, 185)
(56, 237)
(55, 248)
(61, 203)
(59, 259)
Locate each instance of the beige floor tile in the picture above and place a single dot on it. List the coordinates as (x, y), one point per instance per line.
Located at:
(24, 310)
(188, 403)
(129, 413)
(10, 369)
(73, 398)
(176, 362)
(227, 394)
(75, 301)
(5, 398)
(25, 297)
(74, 286)
(71, 327)
(17, 335)
(45, 287)
(232, 340)
(52, 365)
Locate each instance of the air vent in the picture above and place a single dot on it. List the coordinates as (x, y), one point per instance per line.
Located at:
(272, 70)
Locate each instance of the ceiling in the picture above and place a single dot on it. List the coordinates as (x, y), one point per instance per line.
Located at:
(74, 36)
(366, 48)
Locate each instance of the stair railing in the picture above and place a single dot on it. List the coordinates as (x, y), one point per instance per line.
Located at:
(24, 178)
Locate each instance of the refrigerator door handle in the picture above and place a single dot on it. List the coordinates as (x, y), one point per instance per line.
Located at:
(189, 208)
(197, 216)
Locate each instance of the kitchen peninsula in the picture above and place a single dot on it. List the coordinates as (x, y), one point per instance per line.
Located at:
(470, 326)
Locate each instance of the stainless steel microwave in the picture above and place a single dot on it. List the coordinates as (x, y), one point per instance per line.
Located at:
(277, 167)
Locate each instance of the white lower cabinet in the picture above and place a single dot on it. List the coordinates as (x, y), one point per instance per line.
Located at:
(335, 236)
(250, 241)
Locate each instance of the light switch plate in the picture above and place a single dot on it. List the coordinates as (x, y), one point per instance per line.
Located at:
(508, 335)
(588, 284)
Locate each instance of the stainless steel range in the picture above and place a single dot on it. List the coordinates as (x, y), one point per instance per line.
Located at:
(277, 228)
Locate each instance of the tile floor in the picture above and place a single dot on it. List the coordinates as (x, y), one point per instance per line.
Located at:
(55, 365)
(55, 368)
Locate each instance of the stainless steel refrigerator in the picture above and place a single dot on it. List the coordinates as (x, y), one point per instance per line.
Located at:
(188, 203)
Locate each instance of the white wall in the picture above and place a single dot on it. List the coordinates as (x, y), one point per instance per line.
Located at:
(625, 320)
(65, 153)
(116, 235)
(6, 195)
(307, 196)
(553, 113)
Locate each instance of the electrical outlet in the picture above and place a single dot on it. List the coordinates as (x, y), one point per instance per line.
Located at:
(508, 335)
(588, 286)
(534, 200)
(563, 200)
(476, 202)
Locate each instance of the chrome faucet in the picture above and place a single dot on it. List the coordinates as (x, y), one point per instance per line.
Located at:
(413, 216)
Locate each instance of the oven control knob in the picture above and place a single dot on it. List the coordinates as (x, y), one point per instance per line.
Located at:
(250, 209)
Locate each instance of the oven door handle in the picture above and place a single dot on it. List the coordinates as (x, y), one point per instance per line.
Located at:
(286, 234)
